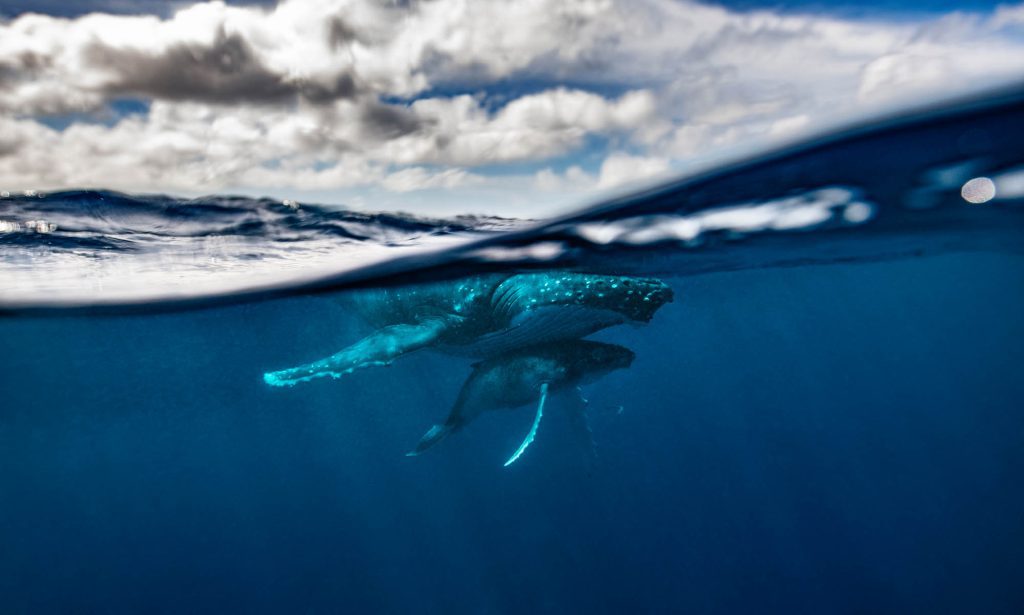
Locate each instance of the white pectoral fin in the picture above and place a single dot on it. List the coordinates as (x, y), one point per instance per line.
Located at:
(378, 348)
(533, 429)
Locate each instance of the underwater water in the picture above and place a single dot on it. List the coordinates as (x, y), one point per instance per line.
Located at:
(826, 417)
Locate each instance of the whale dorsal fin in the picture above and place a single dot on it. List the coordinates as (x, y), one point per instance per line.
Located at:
(379, 348)
(533, 429)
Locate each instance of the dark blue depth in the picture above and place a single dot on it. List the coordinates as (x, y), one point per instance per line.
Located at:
(841, 439)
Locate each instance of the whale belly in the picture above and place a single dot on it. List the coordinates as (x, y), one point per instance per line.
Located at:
(538, 326)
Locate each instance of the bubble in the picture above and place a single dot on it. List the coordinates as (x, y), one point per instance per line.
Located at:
(978, 190)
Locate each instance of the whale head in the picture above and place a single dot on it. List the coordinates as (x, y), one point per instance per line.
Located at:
(593, 360)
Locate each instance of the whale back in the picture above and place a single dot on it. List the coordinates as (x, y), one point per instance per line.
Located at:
(635, 299)
(535, 308)
(467, 297)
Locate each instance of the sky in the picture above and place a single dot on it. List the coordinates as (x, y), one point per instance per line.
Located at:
(439, 107)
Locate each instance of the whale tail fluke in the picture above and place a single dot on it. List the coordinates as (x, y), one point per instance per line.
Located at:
(434, 435)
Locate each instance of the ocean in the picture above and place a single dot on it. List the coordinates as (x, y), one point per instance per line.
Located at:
(825, 418)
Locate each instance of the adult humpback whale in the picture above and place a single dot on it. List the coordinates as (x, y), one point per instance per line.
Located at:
(486, 316)
(528, 375)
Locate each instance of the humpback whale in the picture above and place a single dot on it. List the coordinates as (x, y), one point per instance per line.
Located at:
(528, 375)
(486, 316)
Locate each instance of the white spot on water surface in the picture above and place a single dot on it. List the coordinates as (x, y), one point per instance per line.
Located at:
(978, 190)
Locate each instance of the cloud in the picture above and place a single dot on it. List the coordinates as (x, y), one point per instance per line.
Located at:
(418, 178)
(332, 94)
(125, 7)
(574, 179)
(225, 71)
(550, 123)
(207, 53)
(1008, 16)
(619, 169)
(180, 146)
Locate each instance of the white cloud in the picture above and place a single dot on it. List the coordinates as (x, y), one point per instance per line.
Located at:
(891, 73)
(540, 125)
(179, 146)
(418, 178)
(1008, 15)
(619, 169)
(575, 179)
(788, 125)
(296, 96)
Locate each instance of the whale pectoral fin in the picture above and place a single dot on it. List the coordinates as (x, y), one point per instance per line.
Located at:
(533, 429)
(434, 435)
(580, 426)
(378, 348)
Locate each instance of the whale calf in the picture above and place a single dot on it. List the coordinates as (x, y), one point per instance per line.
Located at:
(486, 316)
(528, 376)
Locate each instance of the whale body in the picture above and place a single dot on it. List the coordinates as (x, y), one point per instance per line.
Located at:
(486, 316)
(527, 376)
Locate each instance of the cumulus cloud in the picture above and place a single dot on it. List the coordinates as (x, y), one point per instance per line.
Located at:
(619, 169)
(540, 125)
(226, 70)
(418, 178)
(181, 146)
(573, 179)
(327, 94)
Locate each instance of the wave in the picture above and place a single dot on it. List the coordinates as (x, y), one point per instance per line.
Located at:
(93, 216)
(100, 247)
(933, 180)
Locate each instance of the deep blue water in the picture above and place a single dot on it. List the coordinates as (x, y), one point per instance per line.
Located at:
(820, 439)
(827, 419)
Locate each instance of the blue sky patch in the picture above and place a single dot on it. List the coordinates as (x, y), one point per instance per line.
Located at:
(114, 112)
